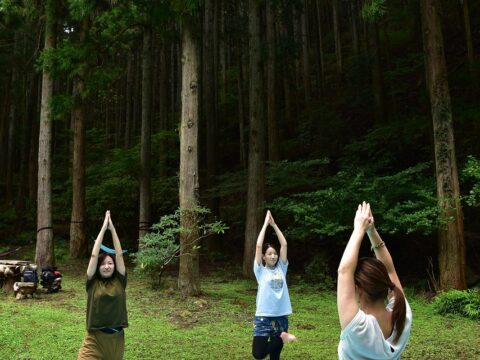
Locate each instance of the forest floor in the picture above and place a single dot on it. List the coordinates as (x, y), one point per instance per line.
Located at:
(215, 325)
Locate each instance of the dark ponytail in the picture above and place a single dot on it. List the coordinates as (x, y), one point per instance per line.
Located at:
(399, 312)
(372, 276)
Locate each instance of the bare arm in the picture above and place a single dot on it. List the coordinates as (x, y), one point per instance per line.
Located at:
(346, 302)
(92, 265)
(382, 254)
(120, 264)
(261, 237)
(281, 239)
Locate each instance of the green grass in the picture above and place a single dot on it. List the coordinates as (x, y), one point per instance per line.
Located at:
(165, 326)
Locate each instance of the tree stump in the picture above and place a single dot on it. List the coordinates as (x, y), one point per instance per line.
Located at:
(24, 290)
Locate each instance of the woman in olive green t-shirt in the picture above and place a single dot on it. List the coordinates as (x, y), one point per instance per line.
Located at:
(106, 301)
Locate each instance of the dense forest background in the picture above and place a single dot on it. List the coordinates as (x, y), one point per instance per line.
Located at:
(329, 97)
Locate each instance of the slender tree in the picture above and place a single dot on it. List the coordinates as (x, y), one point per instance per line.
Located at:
(273, 141)
(256, 154)
(145, 142)
(451, 243)
(44, 253)
(78, 238)
(188, 275)
(472, 67)
(337, 37)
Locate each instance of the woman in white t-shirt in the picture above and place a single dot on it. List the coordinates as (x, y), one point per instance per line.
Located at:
(374, 315)
(273, 302)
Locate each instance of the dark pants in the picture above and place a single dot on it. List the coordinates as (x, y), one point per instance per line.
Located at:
(265, 345)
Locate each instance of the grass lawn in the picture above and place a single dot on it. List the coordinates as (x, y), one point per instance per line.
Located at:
(216, 325)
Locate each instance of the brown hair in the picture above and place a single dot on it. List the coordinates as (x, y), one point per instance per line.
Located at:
(101, 258)
(372, 276)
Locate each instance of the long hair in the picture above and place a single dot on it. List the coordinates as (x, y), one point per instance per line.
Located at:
(101, 258)
(372, 276)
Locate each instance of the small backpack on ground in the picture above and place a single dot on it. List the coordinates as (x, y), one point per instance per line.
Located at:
(51, 279)
(30, 275)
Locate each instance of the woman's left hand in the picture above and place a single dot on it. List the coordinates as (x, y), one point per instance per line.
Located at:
(363, 219)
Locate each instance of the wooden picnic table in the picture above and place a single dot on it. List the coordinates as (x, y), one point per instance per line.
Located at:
(11, 271)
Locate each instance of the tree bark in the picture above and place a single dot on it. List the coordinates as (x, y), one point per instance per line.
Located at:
(354, 23)
(44, 252)
(209, 97)
(451, 243)
(78, 238)
(337, 38)
(320, 48)
(473, 69)
(307, 86)
(256, 156)
(163, 105)
(128, 100)
(188, 276)
(377, 74)
(273, 141)
(145, 142)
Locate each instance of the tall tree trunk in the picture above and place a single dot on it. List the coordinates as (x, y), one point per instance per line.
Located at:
(129, 100)
(377, 74)
(354, 23)
(163, 105)
(145, 144)
(27, 123)
(188, 275)
(33, 156)
(337, 38)
(209, 97)
(10, 142)
(256, 156)
(320, 48)
(307, 86)
(472, 67)
(78, 238)
(273, 142)
(451, 243)
(13, 116)
(44, 252)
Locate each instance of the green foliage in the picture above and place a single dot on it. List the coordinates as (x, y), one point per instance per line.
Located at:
(463, 303)
(317, 272)
(61, 106)
(374, 9)
(403, 202)
(471, 172)
(78, 9)
(161, 246)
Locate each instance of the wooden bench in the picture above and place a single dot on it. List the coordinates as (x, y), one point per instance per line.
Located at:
(11, 272)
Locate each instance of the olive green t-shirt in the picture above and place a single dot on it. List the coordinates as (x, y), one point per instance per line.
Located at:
(107, 302)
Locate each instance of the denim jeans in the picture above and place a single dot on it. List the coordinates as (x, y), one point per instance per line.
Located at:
(269, 326)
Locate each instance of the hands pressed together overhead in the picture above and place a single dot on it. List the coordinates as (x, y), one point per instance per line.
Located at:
(363, 217)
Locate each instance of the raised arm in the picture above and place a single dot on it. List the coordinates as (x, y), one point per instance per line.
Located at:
(346, 302)
(261, 237)
(382, 253)
(120, 264)
(281, 239)
(92, 265)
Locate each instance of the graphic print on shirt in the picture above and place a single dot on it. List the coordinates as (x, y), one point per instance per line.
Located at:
(275, 280)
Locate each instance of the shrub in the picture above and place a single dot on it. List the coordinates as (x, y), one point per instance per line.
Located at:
(317, 273)
(161, 246)
(464, 303)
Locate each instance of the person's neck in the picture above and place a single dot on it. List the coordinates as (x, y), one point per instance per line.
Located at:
(373, 308)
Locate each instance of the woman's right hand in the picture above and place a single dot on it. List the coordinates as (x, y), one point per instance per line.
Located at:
(106, 220)
(267, 218)
(363, 219)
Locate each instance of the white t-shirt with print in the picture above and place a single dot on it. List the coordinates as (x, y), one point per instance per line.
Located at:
(272, 296)
(363, 339)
